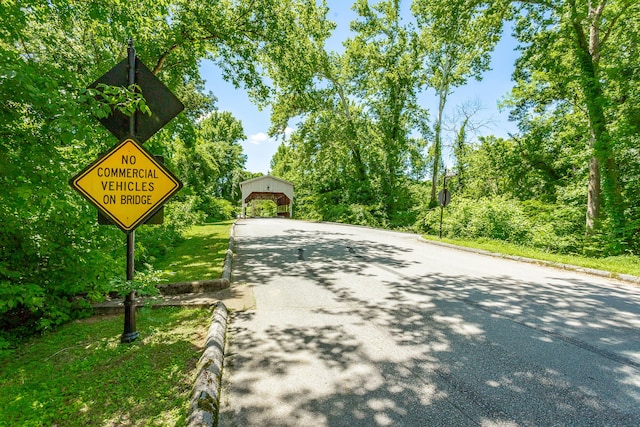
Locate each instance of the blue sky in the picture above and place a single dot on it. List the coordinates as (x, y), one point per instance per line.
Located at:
(259, 148)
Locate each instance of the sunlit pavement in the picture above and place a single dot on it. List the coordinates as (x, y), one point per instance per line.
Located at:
(359, 327)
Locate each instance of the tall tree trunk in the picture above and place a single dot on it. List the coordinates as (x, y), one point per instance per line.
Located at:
(437, 149)
(593, 197)
(588, 52)
(459, 152)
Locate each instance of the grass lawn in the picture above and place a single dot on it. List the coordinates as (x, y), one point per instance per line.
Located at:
(623, 264)
(200, 256)
(81, 375)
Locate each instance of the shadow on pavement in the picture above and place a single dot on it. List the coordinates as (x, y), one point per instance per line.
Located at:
(465, 350)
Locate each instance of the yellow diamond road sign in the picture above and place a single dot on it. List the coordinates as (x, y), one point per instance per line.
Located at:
(127, 184)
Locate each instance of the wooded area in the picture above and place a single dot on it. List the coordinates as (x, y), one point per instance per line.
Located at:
(567, 181)
(363, 151)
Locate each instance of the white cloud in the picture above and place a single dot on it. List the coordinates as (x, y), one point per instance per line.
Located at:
(261, 137)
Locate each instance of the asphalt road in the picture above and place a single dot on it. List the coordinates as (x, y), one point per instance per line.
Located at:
(360, 327)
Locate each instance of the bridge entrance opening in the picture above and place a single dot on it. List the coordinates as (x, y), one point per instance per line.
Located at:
(268, 188)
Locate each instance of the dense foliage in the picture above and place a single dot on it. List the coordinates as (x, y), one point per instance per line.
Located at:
(364, 149)
(54, 258)
(567, 182)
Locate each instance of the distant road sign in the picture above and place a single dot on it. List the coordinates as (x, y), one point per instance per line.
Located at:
(126, 184)
(444, 197)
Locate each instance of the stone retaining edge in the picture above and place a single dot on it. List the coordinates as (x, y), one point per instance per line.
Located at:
(228, 259)
(193, 286)
(205, 395)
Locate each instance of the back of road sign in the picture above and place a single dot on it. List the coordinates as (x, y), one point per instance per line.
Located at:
(444, 197)
(163, 104)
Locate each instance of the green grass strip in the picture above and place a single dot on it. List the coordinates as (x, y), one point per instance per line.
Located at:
(200, 256)
(622, 264)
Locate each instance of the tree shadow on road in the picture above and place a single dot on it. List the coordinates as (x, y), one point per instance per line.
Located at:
(488, 350)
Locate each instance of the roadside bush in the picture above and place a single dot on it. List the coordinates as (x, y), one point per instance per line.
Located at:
(550, 227)
(555, 228)
(53, 260)
(216, 209)
(183, 212)
(496, 218)
(304, 207)
(153, 241)
(356, 214)
(362, 215)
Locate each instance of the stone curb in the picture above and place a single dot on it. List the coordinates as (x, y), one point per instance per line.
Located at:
(591, 271)
(228, 259)
(205, 395)
(195, 286)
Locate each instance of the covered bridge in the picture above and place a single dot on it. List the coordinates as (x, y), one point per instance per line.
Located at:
(268, 188)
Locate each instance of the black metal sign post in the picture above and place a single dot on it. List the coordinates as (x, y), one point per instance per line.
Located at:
(444, 197)
(130, 334)
(117, 206)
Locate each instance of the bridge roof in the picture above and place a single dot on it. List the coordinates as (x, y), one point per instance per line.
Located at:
(267, 187)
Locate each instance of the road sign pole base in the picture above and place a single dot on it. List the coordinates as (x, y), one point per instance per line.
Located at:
(130, 334)
(129, 337)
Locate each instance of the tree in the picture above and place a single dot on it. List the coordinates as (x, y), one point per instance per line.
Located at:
(567, 45)
(358, 114)
(226, 132)
(385, 60)
(458, 37)
(51, 250)
(212, 163)
(463, 126)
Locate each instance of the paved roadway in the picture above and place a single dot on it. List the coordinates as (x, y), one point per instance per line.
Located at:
(375, 328)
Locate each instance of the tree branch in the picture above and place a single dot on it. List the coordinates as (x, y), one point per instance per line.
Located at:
(581, 38)
(614, 20)
(165, 54)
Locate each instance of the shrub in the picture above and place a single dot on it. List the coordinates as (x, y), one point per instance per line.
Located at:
(153, 241)
(550, 227)
(216, 209)
(51, 263)
(362, 215)
(497, 218)
(555, 228)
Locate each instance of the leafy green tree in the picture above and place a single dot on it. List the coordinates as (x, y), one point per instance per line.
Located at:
(458, 37)
(569, 53)
(212, 163)
(225, 132)
(51, 250)
(385, 60)
(354, 144)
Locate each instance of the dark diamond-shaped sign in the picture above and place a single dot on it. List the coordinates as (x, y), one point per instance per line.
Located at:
(163, 104)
